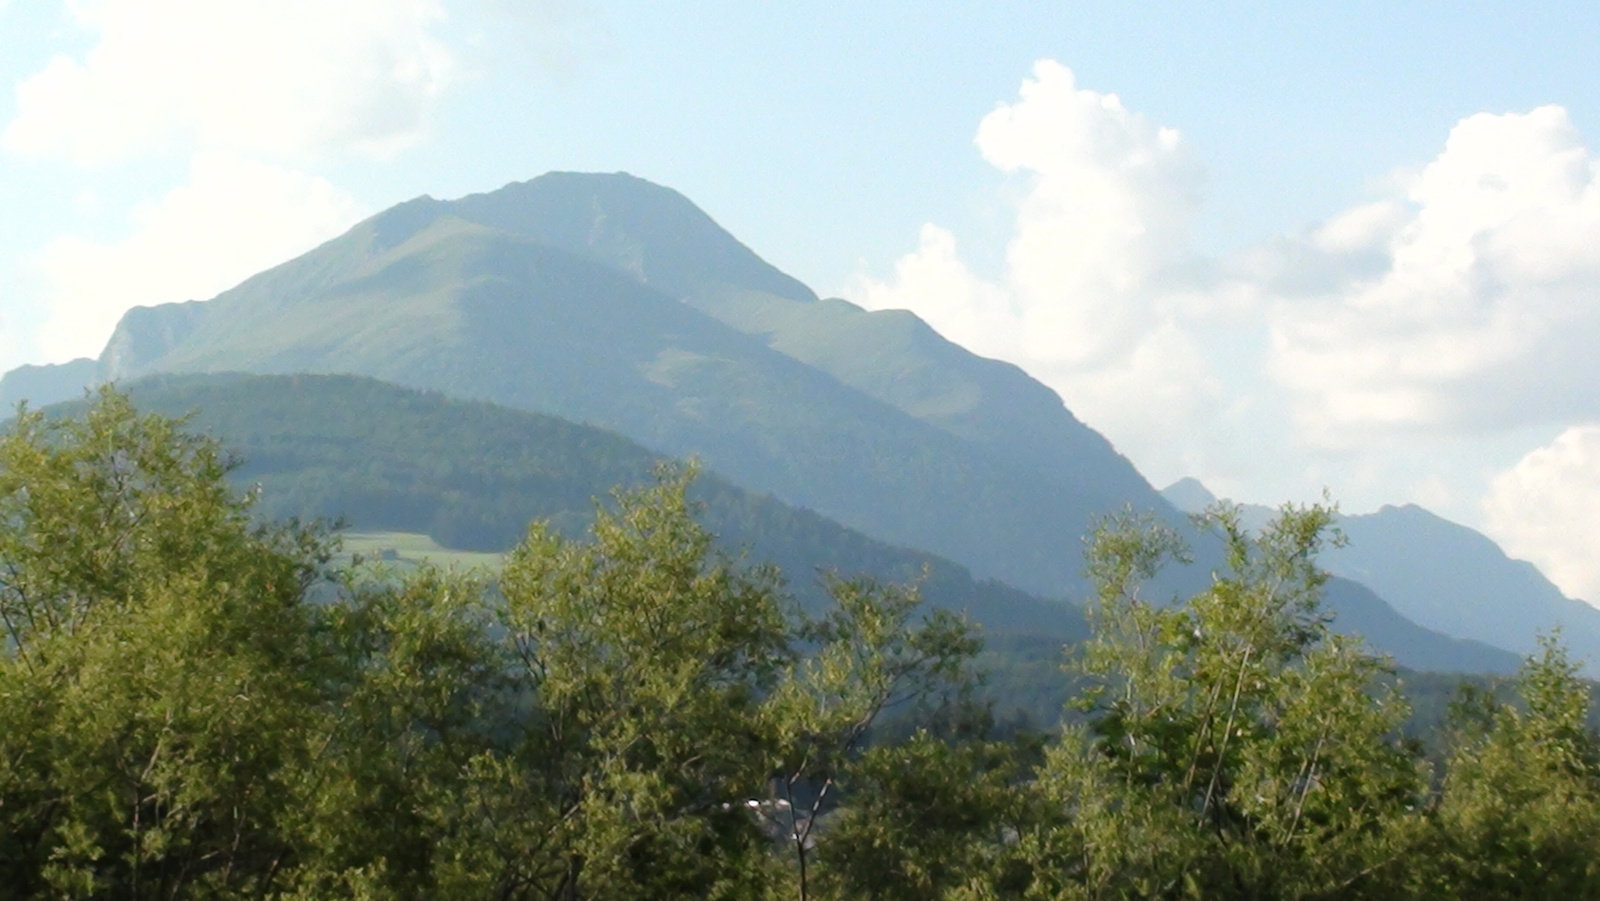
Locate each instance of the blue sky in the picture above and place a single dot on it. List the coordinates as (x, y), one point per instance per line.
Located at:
(1280, 247)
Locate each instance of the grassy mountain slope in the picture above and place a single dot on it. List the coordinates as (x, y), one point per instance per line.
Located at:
(659, 237)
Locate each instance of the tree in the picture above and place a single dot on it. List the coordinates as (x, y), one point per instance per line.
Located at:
(1235, 746)
(871, 653)
(157, 690)
(421, 697)
(1519, 815)
(929, 817)
(638, 661)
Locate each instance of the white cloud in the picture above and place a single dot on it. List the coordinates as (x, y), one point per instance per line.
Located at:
(1088, 302)
(233, 219)
(253, 76)
(1469, 304)
(1106, 211)
(935, 282)
(1401, 350)
(1547, 509)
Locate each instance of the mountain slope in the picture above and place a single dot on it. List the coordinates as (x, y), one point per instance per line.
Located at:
(472, 476)
(610, 301)
(425, 298)
(659, 237)
(42, 385)
(1453, 579)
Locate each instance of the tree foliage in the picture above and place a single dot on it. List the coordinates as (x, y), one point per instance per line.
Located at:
(1235, 745)
(158, 681)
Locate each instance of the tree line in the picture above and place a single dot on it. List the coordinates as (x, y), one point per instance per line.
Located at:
(195, 705)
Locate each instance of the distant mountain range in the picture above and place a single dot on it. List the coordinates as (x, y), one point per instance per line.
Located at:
(1444, 576)
(612, 302)
(42, 385)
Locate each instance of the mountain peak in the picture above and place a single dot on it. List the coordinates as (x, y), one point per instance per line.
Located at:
(393, 226)
(1189, 495)
(650, 231)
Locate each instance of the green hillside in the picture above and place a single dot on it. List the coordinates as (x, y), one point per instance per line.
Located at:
(659, 237)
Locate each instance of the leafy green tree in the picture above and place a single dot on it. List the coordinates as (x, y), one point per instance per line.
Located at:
(1235, 746)
(190, 707)
(929, 817)
(871, 653)
(1519, 815)
(422, 696)
(157, 687)
(641, 659)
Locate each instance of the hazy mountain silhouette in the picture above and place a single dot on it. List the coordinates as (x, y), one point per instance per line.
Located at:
(41, 385)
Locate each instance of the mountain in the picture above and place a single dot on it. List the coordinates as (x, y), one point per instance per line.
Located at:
(42, 385)
(1445, 577)
(609, 301)
(612, 301)
(1189, 495)
(1458, 581)
(667, 243)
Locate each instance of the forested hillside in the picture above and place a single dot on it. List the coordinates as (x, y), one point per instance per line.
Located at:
(473, 475)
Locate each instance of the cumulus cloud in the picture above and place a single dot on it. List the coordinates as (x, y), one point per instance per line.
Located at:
(1470, 303)
(1547, 509)
(1087, 302)
(1453, 314)
(1400, 350)
(253, 76)
(232, 219)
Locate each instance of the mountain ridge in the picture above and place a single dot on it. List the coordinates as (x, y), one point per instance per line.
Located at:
(1446, 577)
(472, 474)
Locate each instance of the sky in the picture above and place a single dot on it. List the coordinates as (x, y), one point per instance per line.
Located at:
(1282, 248)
